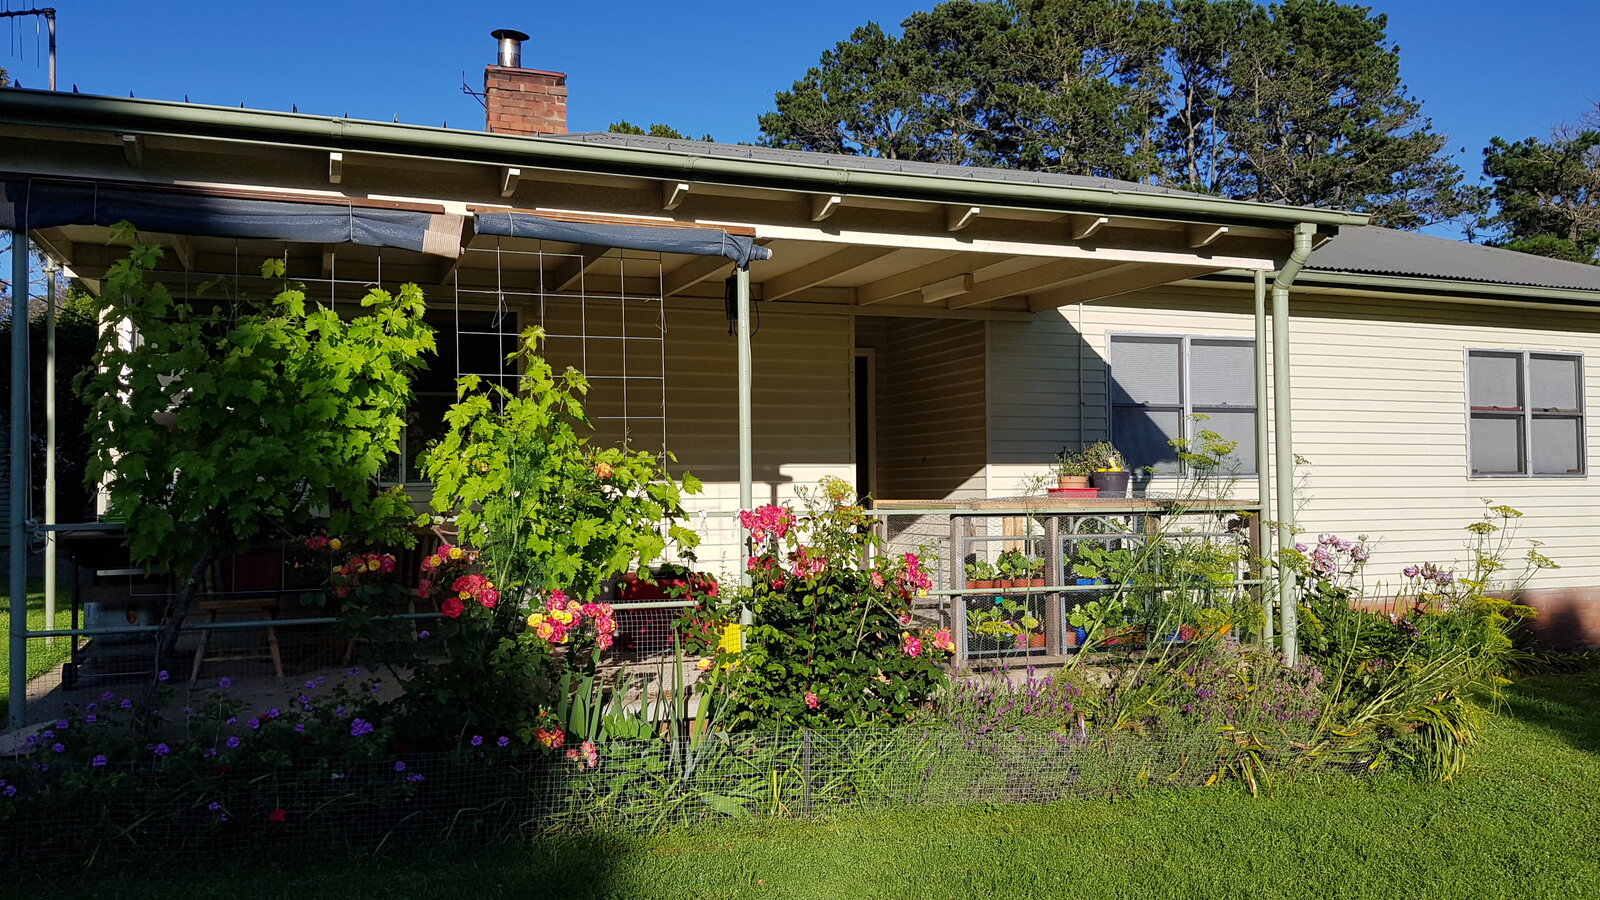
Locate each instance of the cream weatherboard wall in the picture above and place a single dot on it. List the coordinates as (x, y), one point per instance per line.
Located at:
(1379, 406)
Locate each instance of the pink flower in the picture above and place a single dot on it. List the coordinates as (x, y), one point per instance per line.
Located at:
(877, 579)
(424, 588)
(811, 699)
(604, 470)
(767, 521)
(910, 644)
(451, 608)
(591, 754)
(386, 564)
(905, 618)
(605, 641)
(943, 641)
(808, 564)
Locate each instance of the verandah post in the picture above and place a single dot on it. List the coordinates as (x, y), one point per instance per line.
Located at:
(17, 524)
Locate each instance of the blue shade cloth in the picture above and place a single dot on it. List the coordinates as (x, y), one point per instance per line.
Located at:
(697, 241)
(45, 204)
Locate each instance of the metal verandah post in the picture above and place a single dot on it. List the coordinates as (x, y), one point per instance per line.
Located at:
(17, 526)
(747, 466)
(50, 545)
(1263, 470)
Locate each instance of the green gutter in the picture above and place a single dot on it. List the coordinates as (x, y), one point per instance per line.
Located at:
(1474, 291)
(45, 109)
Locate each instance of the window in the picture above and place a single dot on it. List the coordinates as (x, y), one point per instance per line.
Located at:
(1525, 413)
(469, 342)
(1159, 383)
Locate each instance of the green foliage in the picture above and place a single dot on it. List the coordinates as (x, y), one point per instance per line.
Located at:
(548, 510)
(233, 418)
(656, 129)
(1073, 463)
(833, 642)
(1297, 102)
(1547, 192)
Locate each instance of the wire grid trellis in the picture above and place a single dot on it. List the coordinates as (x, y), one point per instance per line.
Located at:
(488, 793)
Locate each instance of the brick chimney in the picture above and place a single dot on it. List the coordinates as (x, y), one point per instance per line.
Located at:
(522, 101)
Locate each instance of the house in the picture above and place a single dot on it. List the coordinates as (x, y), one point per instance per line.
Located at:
(926, 332)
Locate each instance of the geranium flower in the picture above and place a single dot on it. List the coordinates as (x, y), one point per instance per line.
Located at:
(812, 700)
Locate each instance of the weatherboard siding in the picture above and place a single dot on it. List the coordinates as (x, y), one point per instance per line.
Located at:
(1379, 406)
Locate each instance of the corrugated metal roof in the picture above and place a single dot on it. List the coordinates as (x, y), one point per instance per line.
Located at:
(1371, 250)
(863, 163)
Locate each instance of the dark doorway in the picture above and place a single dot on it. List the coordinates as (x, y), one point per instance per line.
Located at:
(865, 430)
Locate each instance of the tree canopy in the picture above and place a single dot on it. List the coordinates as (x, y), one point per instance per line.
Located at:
(1546, 193)
(1298, 102)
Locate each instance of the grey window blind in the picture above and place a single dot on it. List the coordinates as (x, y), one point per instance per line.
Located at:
(1160, 383)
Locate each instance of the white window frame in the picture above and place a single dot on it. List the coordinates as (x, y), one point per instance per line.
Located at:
(1186, 404)
(1528, 415)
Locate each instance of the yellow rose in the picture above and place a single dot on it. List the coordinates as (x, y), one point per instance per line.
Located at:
(535, 620)
(456, 553)
(336, 543)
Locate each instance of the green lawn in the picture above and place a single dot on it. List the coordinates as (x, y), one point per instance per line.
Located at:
(42, 655)
(1523, 823)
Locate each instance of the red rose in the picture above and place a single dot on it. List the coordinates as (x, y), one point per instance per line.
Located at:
(451, 607)
(277, 815)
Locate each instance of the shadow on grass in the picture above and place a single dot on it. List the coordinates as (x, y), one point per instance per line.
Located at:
(1563, 705)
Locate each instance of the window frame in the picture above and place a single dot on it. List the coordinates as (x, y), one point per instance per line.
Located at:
(1526, 355)
(1186, 401)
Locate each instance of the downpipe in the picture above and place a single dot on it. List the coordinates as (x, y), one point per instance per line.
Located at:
(1283, 423)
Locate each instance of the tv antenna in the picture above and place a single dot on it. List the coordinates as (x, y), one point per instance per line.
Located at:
(47, 13)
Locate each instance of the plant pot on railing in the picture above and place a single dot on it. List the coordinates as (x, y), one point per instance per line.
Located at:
(1072, 482)
(1113, 484)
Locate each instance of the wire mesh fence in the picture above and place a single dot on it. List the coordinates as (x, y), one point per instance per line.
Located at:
(490, 793)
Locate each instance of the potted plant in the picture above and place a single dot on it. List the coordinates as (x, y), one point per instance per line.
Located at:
(1109, 469)
(980, 574)
(1017, 569)
(1006, 618)
(1072, 469)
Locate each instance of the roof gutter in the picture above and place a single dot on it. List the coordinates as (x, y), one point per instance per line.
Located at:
(45, 109)
(1481, 292)
(1283, 423)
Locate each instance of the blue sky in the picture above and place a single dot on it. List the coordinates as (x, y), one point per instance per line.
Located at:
(1481, 67)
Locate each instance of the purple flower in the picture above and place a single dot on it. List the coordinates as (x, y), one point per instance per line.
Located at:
(503, 741)
(126, 703)
(377, 686)
(1361, 554)
(353, 672)
(11, 790)
(162, 749)
(1301, 546)
(254, 723)
(108, 696)
(232, 720)
(61, 725)
(233, 742)
(339, 711)
(162, 675)
(91, 707)
(224, 683)
(414, 777)
(188, 710)
(1326, 538)
(273, 713)
(214, 806)
(359, 726)
(424, 635)
(299, 728)
(99, 760)
(477, 740)
(399, 765)
(1444, 578)
(210, 752)
(310, 685)
(58, 748)
(1410, 571)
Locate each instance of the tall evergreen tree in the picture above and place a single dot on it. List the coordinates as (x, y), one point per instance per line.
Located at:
(1300, 102)
(1547, 193)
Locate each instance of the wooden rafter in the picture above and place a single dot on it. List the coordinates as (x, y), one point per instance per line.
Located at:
(1024, 282)
(831, 266)
(1111, 281)
(570, 270)
(691, 273)
(949, 266)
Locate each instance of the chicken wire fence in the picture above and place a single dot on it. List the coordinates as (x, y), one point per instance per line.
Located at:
(490, 793)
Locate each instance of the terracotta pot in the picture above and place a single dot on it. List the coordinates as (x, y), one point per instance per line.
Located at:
(980, 583)
(1035, 641)
(1072, 481)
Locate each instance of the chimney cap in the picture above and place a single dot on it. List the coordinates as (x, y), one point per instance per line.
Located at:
(501, 34)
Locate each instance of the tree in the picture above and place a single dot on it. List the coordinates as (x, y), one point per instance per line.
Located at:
(1300, 102)
(655, 130)
(1547, 193)
(234, 419)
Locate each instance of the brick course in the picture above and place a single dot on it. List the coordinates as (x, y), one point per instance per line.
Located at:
(525, 101)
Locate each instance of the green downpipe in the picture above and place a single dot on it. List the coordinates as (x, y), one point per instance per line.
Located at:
(1284, 431)
(1263, 470)
(747, 465)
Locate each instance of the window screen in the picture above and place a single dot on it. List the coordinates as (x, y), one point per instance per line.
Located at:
(1526, 413)
(1159, 384)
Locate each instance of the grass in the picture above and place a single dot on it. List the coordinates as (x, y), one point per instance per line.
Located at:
(42, 655)
(1523, 822)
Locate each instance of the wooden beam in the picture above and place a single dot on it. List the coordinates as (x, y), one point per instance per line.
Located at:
(1084, 227)
(959, 217)
(133, 150)
(673, 194)
(1024, 282)
(570, 271)
(335, 167)
(824, 205)
(509, 175)
(1111, 281)
(941, 291)
(691, 273)
(1205, 235)
(891, 286)
(832, 266)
